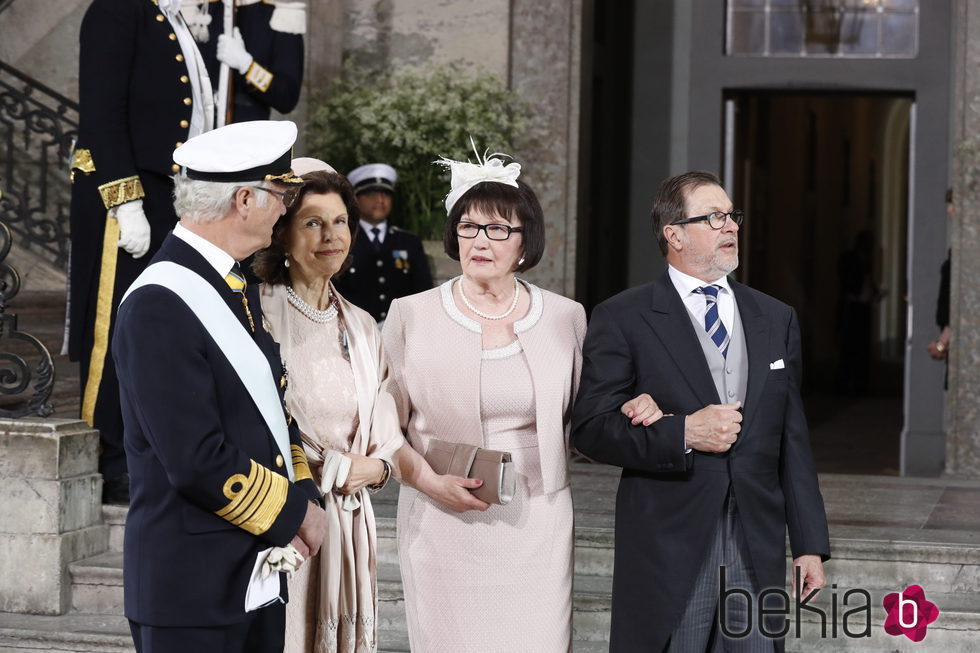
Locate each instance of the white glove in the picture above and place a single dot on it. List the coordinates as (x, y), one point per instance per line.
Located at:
(231, 51)
(134, 229)
(282, 558)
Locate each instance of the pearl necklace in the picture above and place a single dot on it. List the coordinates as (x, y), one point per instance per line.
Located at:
(513, 304)
(315, 314)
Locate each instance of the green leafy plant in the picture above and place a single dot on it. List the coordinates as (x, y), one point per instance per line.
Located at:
(408, 120)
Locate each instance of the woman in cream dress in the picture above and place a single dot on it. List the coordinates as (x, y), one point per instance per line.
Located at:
(489, 360)
(336, 380)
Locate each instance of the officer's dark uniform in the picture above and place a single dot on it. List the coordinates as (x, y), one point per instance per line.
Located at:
(275, 78)
(209, 486)
(136, 103)
(377, 276)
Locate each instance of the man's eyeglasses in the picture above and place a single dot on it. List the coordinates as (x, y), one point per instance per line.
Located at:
(717, 219)
(287, 197)
(494, 231)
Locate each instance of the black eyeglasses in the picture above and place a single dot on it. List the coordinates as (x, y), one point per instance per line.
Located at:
(287, 197)
(717, 219)
(494, 231)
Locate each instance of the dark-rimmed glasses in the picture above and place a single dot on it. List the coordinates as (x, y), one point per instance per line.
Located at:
(494, 231)
(287, 197)
(717, 219)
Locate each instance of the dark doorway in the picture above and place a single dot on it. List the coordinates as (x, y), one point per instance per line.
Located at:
(824, 179)
(604, 218)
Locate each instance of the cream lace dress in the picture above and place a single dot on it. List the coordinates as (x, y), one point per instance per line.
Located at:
(331, 604)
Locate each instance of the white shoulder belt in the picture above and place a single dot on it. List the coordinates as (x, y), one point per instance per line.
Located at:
(234, 341)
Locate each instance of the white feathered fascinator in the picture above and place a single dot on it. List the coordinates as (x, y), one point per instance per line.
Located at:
(466, 175)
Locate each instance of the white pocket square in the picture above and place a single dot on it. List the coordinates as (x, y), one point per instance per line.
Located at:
(777, 365)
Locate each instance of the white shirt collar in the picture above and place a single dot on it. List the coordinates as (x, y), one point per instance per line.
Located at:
(218, 258)
(366, 227)
(686, 284)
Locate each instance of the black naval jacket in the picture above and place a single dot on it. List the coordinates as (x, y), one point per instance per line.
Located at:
(376, 278)
(135, 108)
(275, 78)
(197, 448)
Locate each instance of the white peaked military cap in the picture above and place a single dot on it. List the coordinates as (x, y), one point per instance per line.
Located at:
(259, 150)
(305, 164)
(373, 176)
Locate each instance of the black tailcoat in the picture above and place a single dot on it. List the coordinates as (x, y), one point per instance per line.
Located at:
(400, 268)
(668, 503)
(194, 437)
(135, 107)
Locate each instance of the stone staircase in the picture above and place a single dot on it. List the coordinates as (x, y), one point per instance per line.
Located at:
(872, 549)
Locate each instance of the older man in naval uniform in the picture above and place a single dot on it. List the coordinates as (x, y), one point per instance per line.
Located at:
(221, 490)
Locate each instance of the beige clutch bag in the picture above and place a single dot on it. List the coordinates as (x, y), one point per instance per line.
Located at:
(494, 468)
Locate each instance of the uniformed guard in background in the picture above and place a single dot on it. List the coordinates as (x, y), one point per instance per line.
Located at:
(143, 90)
(222, 493)
(265, 50)
(389, 262)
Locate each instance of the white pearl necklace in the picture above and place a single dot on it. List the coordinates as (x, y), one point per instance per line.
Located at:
(315, 314)
(485, 316)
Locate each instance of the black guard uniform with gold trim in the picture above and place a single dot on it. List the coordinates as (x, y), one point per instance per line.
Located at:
(135, 106)
(400, 268)
(273, 35)
(201, 457)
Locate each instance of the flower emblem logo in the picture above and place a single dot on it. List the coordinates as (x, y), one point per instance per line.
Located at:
(909, 613)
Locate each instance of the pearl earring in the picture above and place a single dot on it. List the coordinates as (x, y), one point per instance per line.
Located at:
(521, 262)
(286, 263)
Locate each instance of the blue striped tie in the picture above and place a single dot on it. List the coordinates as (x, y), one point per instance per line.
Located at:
(712, 320)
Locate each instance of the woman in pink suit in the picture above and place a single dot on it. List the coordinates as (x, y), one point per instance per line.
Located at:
(490, 360)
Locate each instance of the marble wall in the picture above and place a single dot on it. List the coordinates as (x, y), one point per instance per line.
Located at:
(963, 398)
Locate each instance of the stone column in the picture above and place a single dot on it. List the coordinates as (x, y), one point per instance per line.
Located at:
(963, 399)
(50, 490)
(545, 70)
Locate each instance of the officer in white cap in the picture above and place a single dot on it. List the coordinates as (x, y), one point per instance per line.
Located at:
(221, 489)
(389, 262)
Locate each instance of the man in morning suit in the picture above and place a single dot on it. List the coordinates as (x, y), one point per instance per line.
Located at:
(715, 483)
(389, 262)
(143, 90)
(219, 479)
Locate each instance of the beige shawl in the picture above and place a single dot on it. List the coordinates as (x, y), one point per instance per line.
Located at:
(348, 583)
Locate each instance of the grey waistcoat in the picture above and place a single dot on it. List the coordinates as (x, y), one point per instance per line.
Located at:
(732, 375)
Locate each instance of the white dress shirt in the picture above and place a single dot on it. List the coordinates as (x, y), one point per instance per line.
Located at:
(219, 259)
(686, 285)
(366, 228)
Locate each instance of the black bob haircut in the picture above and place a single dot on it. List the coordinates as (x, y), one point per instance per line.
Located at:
(507, 202)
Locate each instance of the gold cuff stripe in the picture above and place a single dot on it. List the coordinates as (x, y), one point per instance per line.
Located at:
(103, 318)
(258, 77)
(257, 502)
(301, 466)
(120, 191)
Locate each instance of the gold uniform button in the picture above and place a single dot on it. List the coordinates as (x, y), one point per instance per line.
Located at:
(185, 124)
(178, 144)
(188, 101)
(160, 18)
(175, 168)
(282, 381)
(185, 79)
(172, 36)
(279, 460)
(179, 57)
